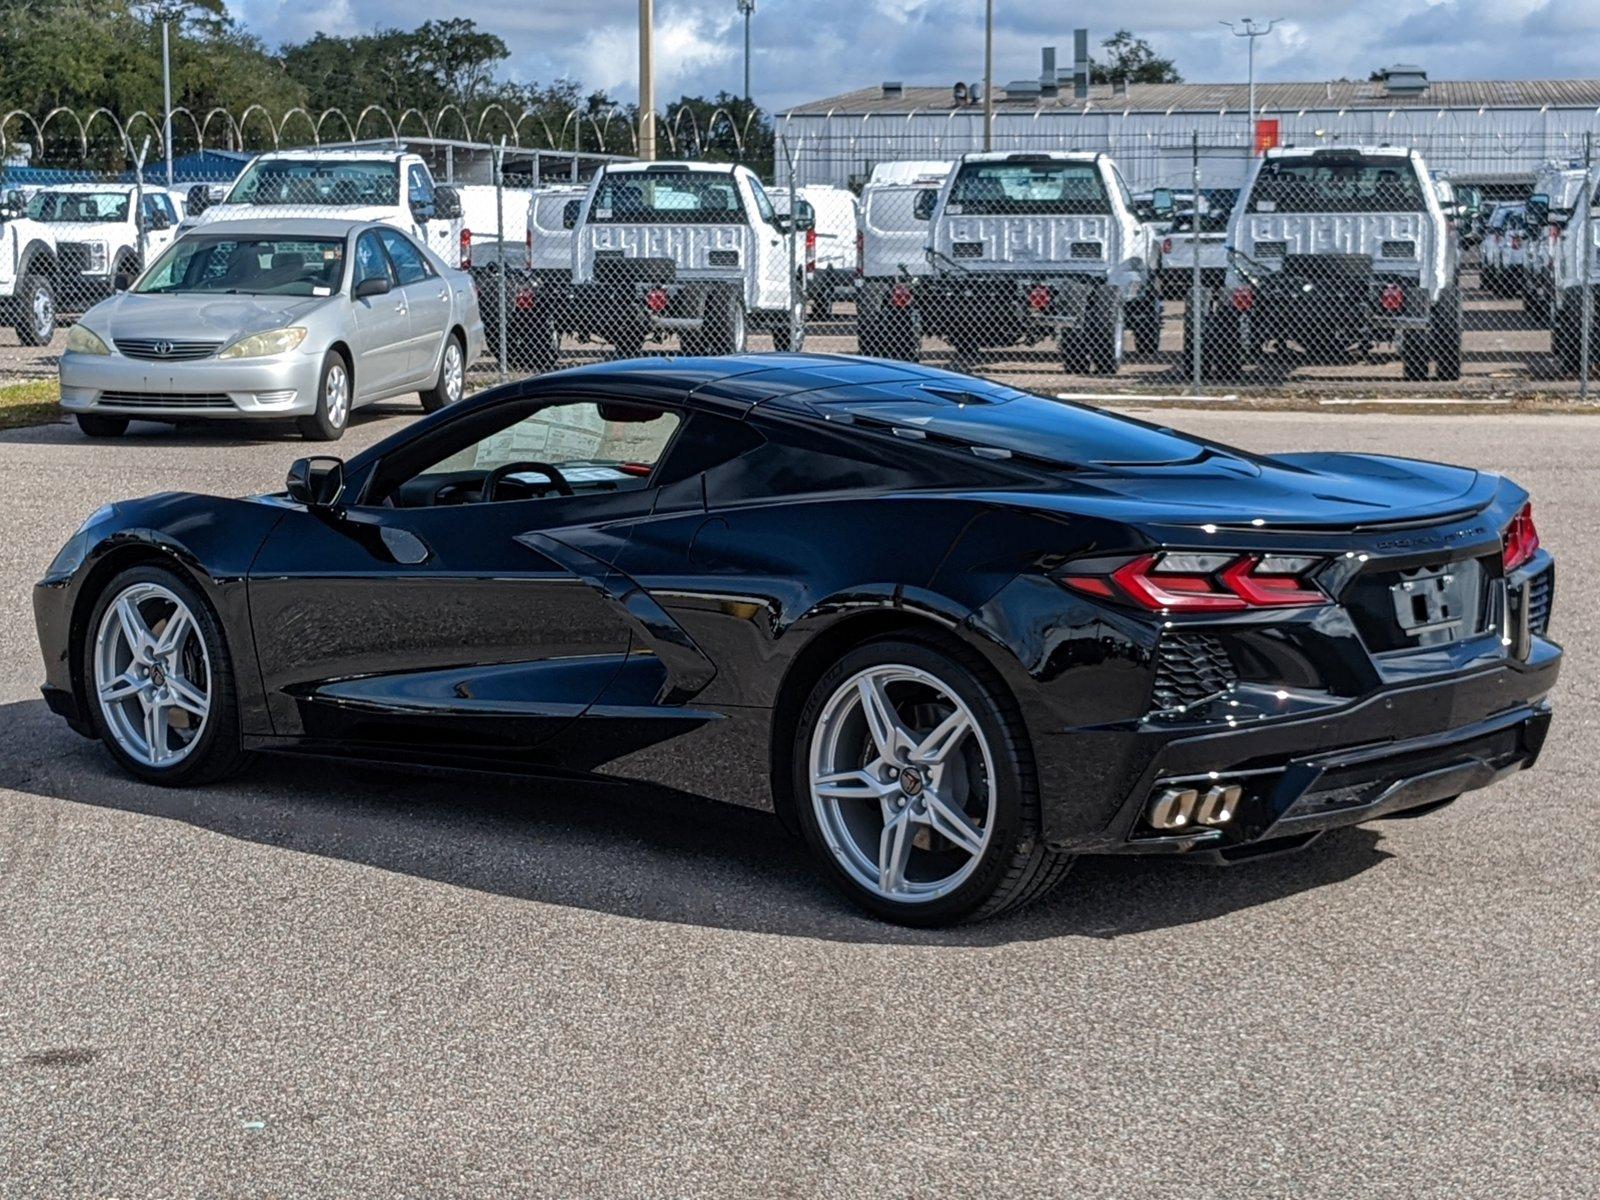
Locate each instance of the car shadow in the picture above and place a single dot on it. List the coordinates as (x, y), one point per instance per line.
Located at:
(209, 432)
(625, 850)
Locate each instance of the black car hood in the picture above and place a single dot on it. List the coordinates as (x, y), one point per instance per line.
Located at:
(1291, 491)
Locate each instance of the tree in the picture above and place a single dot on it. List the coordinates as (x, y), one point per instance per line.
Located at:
(724, 128)
(1132, 59)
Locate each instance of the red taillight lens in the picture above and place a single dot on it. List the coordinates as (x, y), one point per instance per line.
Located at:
(1166, 245)
(1521, 541)
(466, 249)
(899, 296)
(523, 302)
(1039, 298)
(656, 300)
(1202, 583)
(1244, 299)
(1392, 298)
(811, 249)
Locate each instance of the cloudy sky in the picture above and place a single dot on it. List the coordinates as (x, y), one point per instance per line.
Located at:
(808, 49)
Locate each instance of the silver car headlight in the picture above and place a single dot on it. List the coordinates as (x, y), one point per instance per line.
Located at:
(260, 345)
(83, 341)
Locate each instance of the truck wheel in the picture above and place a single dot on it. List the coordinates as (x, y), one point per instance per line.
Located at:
(544, 345)
(725, 331)
(1445, 328)
(902, 337)
(629, 344)
(1221, 357)
(1414, 354)
(871, 339)
(36, 311)
(1566, 335)
(1144, 322)
(781, 331)
(1105, 332)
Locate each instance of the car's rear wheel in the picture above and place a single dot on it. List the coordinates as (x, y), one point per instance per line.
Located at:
(332, 414)
(96, 426)
(452, 382)
(159, 681)
(915, 787)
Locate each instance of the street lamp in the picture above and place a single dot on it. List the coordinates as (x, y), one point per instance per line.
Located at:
(1247, 28)
(747, 9)
(647, 82)
(988, 75)
(167, 11)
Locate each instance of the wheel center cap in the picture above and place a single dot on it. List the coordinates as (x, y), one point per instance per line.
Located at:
(911, 781)
(158, 677)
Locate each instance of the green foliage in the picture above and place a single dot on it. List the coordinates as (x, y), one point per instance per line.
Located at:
(724, 128)
(1133, 59)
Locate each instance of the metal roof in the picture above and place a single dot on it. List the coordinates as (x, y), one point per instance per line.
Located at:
(1234, 97)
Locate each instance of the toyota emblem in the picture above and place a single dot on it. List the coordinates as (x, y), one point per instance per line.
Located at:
(163, 348)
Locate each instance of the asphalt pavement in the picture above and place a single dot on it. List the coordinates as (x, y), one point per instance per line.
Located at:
(323, 982)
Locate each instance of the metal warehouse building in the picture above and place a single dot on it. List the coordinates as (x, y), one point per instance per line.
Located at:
(1491, 133)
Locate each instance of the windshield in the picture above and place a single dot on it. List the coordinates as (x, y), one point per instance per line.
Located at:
(323, 182)
(1028, 187)
(82, 208)
(667, 197)
(1344, 183)
(252, 266)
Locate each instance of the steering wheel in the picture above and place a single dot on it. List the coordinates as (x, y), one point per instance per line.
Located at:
(491, 481)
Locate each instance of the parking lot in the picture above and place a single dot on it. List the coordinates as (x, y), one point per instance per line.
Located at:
(329, 981)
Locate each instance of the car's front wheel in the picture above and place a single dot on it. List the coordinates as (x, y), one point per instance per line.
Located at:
(96, 425)
(332, 414)
(915, 787)
(159, 681)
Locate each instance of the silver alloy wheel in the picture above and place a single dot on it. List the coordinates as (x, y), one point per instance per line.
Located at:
(454, 374)
(152, 675)
(337, 393)
(44, 311)
(738, 339)
(902, 783)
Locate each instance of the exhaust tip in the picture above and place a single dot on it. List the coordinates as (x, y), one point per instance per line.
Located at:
(1176, 808)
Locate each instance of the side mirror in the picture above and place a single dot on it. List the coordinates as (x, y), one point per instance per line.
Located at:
(198, 199)
(121, 281)
(805, 220)
(569, 214)
(372, 285)
(446, 203)
(316, 482)
(1161, 201)
(1537, 209)
(922, 207)
(12, 205)
(159, 221)
(782, 223)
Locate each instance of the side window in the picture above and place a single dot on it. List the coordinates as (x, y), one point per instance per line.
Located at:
(371, 262)
(763, 203)
(1122, 187)
(421, 187)
(409, 264)
(795, 461)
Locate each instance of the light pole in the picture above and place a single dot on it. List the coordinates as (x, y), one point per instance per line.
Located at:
(1247, 28)
(166, 11)
(647, 83)
(988, 75)
(747, 9)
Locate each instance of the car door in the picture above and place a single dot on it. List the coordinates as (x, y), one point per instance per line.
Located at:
(772, 252)
(419, 626)
(427, 298)
(432, 230)
(160, 220)
(380, 326)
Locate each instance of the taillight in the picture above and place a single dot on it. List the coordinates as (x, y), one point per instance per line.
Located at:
(1516, 242)
(1244, 299)
(1039, 298)
(1166, 245)
(466, 249)
(1521, 540)
(900, 296)
(523, 301)
(811, 249)
(1200, 583)
(656, 300)
(1392, 298)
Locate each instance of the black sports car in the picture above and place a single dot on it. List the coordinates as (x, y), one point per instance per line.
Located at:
(955, 634)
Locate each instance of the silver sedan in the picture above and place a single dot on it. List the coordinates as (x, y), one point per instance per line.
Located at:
(293, 318)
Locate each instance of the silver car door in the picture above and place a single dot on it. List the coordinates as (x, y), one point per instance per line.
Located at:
(427, 302)
(380, 326)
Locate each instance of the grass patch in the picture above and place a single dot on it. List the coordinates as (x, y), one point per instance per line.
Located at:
(36, 402)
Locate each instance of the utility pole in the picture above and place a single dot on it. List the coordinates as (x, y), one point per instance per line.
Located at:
(747, 9)
(988, 75)
(1247, 28)
(166, 11)
(647, 83)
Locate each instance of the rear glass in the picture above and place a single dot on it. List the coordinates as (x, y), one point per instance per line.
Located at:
(991, 188)
(667, 197)
(1211, 222)
(1353, 183)
(318, 182)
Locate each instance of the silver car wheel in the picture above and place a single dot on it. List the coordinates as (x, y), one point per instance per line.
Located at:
(454, 373)
(902, 783)
(44, 311)
(336, 395)
(152, 675)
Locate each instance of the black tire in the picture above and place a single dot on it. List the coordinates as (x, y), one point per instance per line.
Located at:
(725, 330)
(1414, 348)
(1104, 332)
(1015, 866)
(902, 336)
(543, 351)
(870, 339)
(789, 331)
(1144, 321)
(451, 384)
(97, 426)
(1222, 359)
(332, 415)
(1566, 335)
(35, 311)
(629, 344)
(1445, 333)
(217, 752)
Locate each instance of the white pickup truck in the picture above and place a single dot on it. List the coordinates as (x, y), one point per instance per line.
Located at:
(687, 249)
(27, 273)
(1570, 254)
(1029, 246)
(893, 240)
(102, 231)
(358, 183)
(1333, 249)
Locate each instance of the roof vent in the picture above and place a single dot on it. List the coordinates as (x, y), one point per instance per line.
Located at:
(1023, 89)
(1403, 79)
(1049, 78)
(893, 87)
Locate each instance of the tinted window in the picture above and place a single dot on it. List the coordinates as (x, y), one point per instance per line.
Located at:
(409, 264)
(667, 197)
(261, 266)
(1028, 186)
(371, 262)
(1338, 183)
(421, 185)
(763, 203)
(798, 460)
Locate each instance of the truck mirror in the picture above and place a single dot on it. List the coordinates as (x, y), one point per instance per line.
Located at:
(13, 205)
(198, 200)
(446, 203)
(1538, 209)
(805, 219)
(1161, 201)
(569, 214)
(922, 207)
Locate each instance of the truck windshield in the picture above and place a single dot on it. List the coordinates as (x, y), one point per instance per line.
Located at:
(320, 182)
(81, 208)
(667, 197)
(1353, 183)
(261, 265)
(992, 188)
